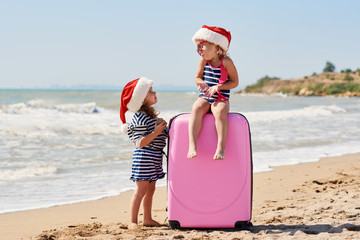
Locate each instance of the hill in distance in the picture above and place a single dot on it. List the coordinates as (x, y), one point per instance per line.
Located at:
(345, 83)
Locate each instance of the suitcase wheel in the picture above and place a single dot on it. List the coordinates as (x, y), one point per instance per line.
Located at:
(174, 224)
(241, 225)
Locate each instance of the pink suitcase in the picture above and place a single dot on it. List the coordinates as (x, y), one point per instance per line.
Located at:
(207, 193)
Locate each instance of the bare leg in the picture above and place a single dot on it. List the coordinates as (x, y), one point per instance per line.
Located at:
(147, 204)
(220, 110)
(199, 109)
(140, 191)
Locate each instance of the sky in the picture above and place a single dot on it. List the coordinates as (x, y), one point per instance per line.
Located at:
(77, 43)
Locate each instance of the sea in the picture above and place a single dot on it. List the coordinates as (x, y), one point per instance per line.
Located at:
(64, 146)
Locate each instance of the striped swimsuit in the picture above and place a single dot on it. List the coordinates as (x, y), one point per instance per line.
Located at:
(214, 76)
(147, 161)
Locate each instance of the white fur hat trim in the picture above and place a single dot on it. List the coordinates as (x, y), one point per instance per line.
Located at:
(211, 36)
(140, 91)
(124, 128)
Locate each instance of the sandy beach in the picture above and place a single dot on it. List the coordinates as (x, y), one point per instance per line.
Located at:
(319, 200)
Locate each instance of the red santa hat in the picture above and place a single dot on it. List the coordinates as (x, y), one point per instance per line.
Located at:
(216, 35)
(132, 98)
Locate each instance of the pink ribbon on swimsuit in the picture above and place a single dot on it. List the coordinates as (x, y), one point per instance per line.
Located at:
(222, 79)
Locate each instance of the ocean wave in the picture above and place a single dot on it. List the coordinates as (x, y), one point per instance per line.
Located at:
(44, 123)
(264, 160)
(268, 116)
(41, 105)
(307, 112)
(27, 172)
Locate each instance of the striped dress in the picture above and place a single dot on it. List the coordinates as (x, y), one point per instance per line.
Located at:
(213, 76)
(147, 161)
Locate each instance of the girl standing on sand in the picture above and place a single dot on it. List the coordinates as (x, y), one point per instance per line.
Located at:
(215, 77)
(149, 134)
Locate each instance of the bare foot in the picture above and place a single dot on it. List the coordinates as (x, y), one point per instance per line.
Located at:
(133, 226)
(151, 223)
(219, 155)
(192, 153)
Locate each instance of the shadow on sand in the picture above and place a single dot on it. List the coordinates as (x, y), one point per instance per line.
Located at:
(291, 229)
(308, 229)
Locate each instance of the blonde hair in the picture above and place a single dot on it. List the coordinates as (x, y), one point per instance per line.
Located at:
(223, 54)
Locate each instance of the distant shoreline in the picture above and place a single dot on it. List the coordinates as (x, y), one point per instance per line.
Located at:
(57, 89)
(86, 90)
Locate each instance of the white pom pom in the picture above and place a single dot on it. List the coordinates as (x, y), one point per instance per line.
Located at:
(124, 128)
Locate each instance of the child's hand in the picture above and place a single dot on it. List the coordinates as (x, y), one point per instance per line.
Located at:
(171, 119)
(160, 125)
(203, 87)
(211, 91)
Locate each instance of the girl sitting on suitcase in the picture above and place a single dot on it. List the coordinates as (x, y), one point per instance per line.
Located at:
(149, 134)
(215, 77)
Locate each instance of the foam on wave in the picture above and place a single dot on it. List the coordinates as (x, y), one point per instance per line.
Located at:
(27, 172)
(307, 112)
(41, 105)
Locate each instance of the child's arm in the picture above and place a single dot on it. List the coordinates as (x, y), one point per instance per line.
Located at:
(160, 125)
(199, 81)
